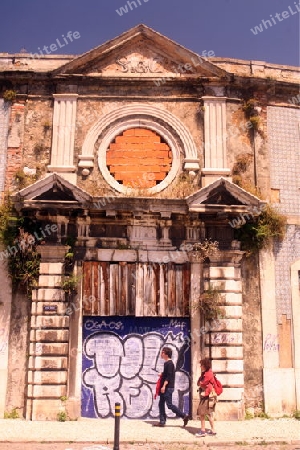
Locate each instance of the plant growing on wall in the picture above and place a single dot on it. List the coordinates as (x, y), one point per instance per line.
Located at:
(9, 95)
(69, 284)
(5, 218)
(23, 260)
(255, 235)
(23, 180)
(240, 167)
(252, 110)
(69, 256)
(62, 415)
(11, 415)
(182, 187)
(46, 125)
(242, 163)
(211, 303)
(204, 249)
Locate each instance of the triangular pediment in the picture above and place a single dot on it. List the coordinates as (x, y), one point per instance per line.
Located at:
(53, 189)
(223, 194)
(141, 51)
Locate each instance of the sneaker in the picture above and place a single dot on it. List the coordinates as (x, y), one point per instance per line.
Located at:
(159, 424)
(185, 420)
(211, 433)
(200, 434)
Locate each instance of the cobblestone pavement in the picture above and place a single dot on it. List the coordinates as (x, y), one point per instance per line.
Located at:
(131, 446)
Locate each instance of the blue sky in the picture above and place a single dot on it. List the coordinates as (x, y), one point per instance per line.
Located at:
(223, 26)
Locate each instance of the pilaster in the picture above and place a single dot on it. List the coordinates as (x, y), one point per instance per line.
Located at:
(223, 340)
(196, 274)
(215, 158)
(49, 339)
(64, 123)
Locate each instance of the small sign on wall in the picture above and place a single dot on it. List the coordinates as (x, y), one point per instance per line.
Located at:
(50, 308)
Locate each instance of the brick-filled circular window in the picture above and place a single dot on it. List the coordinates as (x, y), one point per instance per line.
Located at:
(139, 158)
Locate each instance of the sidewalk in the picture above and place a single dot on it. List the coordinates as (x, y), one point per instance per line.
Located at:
(102, 431)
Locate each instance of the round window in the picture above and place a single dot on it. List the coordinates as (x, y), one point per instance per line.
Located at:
(139, 158)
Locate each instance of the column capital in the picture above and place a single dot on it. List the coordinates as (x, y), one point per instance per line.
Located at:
(65, 96)
(52, 253)
(213, 98)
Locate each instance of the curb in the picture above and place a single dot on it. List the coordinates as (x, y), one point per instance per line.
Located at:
(139, 442)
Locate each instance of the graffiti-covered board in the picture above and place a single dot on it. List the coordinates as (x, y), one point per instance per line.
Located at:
(121, 363)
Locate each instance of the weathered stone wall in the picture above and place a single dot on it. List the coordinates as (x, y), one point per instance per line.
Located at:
(15, 144)
(38, 134)
(4, 121)
(252, 335)
(18, 352)
(5, 310)
(239, 144)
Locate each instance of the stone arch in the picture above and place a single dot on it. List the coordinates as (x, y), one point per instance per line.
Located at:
(134, 116)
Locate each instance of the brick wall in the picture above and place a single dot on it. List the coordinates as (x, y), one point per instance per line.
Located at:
(139, 158)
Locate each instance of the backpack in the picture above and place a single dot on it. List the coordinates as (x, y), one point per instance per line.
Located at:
(217, 386)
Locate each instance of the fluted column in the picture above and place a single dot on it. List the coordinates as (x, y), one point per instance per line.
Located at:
(215, 158)
(64, 122)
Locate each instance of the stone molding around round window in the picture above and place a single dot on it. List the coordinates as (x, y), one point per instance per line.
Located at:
(148, 117)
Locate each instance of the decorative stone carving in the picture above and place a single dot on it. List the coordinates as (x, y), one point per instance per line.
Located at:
(165, 228)
(83, 227)
(62, 227)
(139, 65)
(140, 115)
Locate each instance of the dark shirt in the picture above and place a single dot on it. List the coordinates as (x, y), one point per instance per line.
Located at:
(169, 374)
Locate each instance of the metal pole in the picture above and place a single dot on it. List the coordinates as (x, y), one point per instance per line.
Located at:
(117, 426)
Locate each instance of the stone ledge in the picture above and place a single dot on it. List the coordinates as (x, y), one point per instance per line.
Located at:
(48, 294)
(60, 349)
(49, 321)
(228, 337)
(228, 365)
(49, 336)
(47, 377)
(44, 362)
(232, 353)
(51, 268)
(50, 391)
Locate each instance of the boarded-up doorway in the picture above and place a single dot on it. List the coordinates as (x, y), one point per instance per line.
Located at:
(131, 311)
(121, 363)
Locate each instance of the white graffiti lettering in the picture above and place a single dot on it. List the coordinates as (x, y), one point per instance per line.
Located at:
(125, 370)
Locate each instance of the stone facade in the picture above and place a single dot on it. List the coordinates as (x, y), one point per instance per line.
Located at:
(126, 158)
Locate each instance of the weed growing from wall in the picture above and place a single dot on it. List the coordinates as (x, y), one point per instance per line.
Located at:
(9, 95)
(211, 303)
(255, 235)
(205, 249)
(23, 260)
(13, 414)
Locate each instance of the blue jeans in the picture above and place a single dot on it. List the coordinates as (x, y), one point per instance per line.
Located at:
(166, 399)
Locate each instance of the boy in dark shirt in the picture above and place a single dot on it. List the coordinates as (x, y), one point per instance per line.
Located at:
(167, 389)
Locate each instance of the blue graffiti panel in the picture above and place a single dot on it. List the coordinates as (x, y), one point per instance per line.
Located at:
(121, 363)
